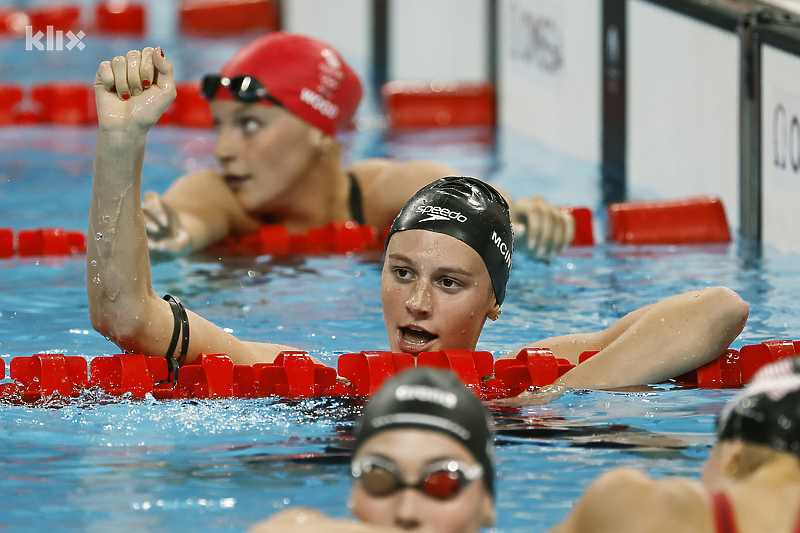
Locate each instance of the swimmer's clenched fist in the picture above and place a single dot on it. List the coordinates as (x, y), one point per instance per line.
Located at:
(132, 91)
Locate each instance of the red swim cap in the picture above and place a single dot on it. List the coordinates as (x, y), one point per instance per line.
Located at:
(306, 75)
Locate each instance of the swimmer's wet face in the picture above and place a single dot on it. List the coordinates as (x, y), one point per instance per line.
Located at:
(469, 210)
(418, 421)
(448, 258)
(413, 453)
(264, 152)
(287, 97)
(436, 293)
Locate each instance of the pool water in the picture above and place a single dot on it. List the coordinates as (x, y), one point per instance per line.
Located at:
(100, 464)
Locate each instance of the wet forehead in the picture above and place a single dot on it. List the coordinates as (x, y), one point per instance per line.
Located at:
(436, 251)
(413, 449)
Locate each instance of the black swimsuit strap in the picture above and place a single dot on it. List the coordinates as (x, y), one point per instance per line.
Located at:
(356, 207)
(181, 326)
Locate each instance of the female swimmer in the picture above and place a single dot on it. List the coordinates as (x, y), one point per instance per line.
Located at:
(751, 481)
(447, 262)
(423, 461)
(278, 105)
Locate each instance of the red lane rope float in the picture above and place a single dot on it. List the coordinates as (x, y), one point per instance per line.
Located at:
(64, 103)
(438, 103)
(296, 375)
(41, 241)
(584, 229)
(68, 103)
(273, 239)
(10, 96)
(189, 109)
(228, 17)
(346, 237)
(73, 103)
(691, 220)
(113, 16)
(61, 17)
(685, 221)
(120, 16)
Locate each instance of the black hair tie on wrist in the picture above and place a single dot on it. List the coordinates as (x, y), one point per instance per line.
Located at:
(181, 326)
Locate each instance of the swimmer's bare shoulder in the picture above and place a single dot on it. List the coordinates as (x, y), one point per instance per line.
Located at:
(387, 185)
(207, 207)
(299, 520)
(625, 500)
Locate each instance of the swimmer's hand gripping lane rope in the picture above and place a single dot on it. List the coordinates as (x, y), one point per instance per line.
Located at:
(296, 375)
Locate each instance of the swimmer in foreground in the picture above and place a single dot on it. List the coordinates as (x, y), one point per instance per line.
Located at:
(278, 105)
(423, 461)
(447, 262)
(750, 483)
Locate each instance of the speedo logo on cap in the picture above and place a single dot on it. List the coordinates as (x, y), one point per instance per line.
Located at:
(439, 213)
(421, 393)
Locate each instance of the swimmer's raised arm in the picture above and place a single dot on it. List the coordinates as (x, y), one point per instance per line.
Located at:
(132, 92)
(654, 343)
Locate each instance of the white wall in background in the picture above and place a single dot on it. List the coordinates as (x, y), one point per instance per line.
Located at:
(780, 148)
(683, 108)
(549, 73)
(445, 39)
(345, 24)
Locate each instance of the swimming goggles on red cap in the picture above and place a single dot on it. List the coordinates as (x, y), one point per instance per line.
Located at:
(441, 480)
(243, 88)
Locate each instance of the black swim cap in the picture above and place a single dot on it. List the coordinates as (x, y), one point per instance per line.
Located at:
(473, 212)
(432, 399)
(767, 411)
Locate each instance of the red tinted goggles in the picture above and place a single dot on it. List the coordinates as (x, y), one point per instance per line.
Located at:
(243, 88)
(442, 480)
